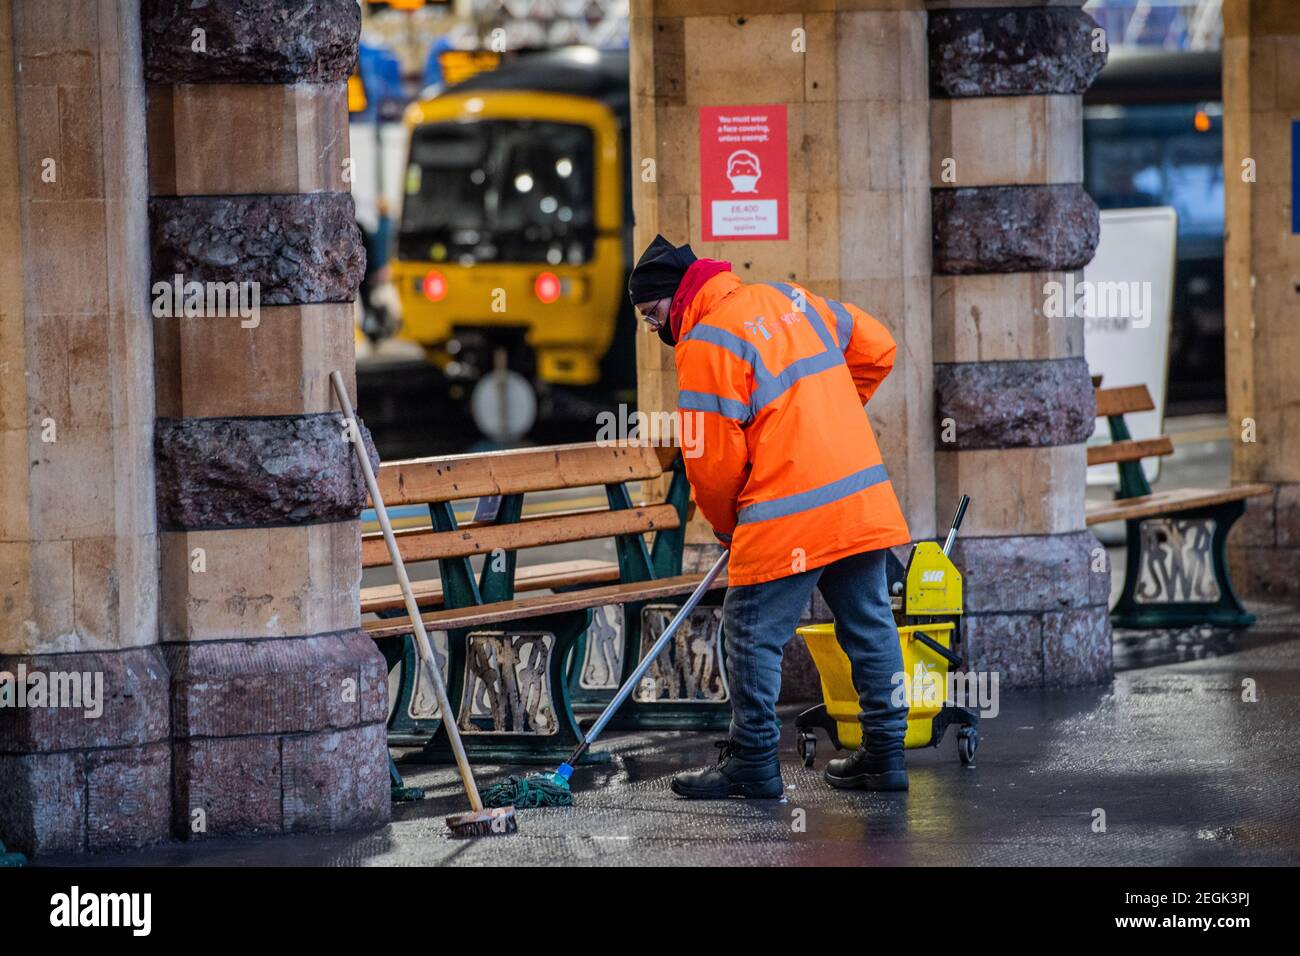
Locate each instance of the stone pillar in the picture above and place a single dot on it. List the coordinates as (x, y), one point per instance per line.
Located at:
(852, 77)
(78, 543)
(1013, 400)
(278, 700)
(1261, 101)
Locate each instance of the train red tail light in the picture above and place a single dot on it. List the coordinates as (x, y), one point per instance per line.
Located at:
(547, 287)
(434, 286)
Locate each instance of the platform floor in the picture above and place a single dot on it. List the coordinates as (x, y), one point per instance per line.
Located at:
(1186, 772)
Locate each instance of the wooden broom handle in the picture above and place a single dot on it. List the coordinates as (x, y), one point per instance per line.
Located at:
(412, 609)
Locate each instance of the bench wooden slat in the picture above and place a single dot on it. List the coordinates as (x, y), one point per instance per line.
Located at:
(1163, 502)
(536, 577)
(1122, 400)
(424, 545)
(501, 611)
(1132, 450)
(375, 555)
(452, 477)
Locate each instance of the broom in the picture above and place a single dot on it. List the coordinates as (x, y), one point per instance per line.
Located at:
(479, 821)
(552, 789)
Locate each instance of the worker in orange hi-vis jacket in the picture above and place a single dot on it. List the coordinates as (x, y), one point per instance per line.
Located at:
(784, 465)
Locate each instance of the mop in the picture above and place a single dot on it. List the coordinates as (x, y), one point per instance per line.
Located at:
(479, 821)
(552, 789)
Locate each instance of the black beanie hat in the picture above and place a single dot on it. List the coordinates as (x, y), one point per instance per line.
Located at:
(659, 271)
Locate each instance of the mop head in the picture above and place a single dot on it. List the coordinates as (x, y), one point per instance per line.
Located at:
(530, 792)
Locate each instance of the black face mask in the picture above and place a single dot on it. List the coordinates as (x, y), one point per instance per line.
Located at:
(666, 334)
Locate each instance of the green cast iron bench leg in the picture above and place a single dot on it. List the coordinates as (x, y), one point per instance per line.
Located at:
(639, 563)
(1162, 589)
(527, 744)
(1166, 584)
(667, 714)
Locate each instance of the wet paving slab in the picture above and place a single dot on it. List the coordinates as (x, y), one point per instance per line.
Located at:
(1186, 768)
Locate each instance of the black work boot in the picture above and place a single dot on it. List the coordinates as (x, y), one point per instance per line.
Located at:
(863, 771)
(739, 772)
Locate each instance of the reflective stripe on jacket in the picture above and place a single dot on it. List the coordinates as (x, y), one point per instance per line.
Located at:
(776, 442)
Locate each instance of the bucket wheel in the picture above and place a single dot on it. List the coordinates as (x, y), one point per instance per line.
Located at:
(807, 744)
(968, 741)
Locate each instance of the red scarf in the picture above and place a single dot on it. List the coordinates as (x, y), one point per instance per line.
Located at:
(699, 272)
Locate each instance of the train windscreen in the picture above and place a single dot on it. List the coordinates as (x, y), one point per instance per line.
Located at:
(499, 190)
(1161, 155)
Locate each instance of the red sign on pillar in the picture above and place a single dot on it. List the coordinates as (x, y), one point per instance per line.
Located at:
(743, 165)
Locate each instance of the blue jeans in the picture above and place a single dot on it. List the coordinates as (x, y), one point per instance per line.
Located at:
(759, 619)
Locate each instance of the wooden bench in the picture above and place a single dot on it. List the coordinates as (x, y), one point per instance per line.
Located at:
(1176, 569)
(522, 664)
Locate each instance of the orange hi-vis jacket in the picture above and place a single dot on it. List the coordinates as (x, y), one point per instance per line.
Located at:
(776, 442)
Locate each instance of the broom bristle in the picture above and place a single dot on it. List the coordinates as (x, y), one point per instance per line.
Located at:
(477, 823)
(530, 792)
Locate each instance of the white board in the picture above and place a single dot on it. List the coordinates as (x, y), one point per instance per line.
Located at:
(1127, 305)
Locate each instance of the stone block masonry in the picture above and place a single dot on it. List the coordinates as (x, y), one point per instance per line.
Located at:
(278, 702)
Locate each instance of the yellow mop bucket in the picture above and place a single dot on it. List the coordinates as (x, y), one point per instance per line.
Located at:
(924, 687)
(933, 598)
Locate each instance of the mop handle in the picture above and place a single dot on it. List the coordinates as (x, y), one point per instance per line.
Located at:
(649, 659)
(956, 523)
(412, 608)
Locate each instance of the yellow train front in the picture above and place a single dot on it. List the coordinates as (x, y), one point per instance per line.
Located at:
(927, 616)
(515, 231)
